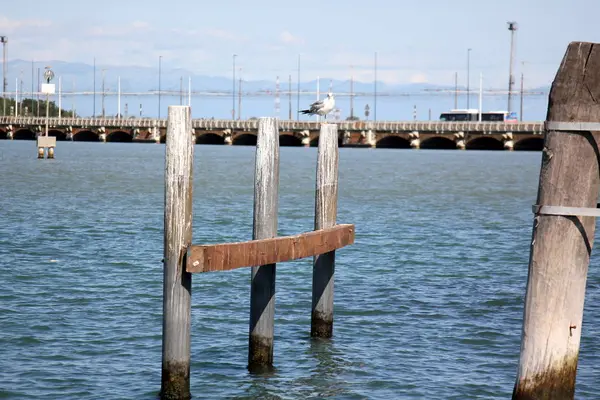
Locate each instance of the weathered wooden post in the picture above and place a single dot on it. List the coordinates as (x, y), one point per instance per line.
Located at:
(262, 292)
(563, 231)
(325, 217)
(177, 282)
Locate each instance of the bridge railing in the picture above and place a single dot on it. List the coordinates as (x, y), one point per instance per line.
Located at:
(286, 125)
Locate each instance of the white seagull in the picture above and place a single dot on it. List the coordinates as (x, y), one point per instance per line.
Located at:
(321, 107)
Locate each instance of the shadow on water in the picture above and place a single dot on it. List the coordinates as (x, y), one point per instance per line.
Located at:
(320, 378)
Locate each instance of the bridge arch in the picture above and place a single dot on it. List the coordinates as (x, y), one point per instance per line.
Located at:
(392, 142)
(289, 140)
(24, 134)
(86, 136)
(3, 134)
(315, 142)
(245, 139)
(119, 136)
(210, 138)
(485, 143)
(530, 144)
(58, 134)
(438, 143)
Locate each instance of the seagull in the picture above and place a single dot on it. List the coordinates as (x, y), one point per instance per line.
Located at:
(321, 107)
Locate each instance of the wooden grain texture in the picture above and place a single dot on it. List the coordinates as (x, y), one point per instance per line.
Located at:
(325, 217)
(226, 256)
(262, 288)
(561, 245)
(177, 283)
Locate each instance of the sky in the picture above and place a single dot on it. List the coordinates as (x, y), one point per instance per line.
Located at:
(414, 41)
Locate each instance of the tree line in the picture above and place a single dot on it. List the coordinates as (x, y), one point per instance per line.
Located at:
(32, 108)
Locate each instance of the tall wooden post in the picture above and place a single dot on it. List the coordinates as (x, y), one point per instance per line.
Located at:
(562, 235)
(177, 283)
(325, 217)
(262, 292)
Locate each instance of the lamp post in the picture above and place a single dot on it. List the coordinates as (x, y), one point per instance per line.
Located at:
(159, 72)
(48, 76)
(240, 97)
(351, 93)
(468, 77)
(298, 92)
(94, 105)
(522, 79)
(512, 27)
(233, 90)
(4, 41)
(375, 90)
(103, 93)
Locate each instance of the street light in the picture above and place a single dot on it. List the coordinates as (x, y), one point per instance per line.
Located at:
(375, 90)
(4, 41)
(94, 106)
(233, 91)
(48, 89)
(512, 27)
(298, 91)
(103, 93)
(159, 72)
(468, 77)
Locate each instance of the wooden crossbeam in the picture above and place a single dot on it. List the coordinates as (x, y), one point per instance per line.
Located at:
(226, 256)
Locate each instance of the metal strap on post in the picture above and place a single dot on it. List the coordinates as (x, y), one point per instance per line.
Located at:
(566, 211)
(571, 126)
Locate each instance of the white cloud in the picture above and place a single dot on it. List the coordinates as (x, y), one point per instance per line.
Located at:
(8, 26)
(223, 34)
(419, 77)
(287, 38)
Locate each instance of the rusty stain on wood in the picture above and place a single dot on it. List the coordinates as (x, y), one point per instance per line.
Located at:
(226, 256)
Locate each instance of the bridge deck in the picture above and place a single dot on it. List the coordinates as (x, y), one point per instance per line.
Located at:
(286, 125)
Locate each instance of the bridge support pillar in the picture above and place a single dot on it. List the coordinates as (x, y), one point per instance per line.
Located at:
(69, 132)
(459, 138)
(155, 132)
(228, 136)
(102, 134)
(9, 132)
(305, 137)
(508, 141)
(414, 140)
(346, 137)
(371, 141)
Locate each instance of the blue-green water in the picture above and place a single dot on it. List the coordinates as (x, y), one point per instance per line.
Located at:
(428, 300)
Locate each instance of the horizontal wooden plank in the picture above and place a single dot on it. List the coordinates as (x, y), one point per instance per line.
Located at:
(226, 256)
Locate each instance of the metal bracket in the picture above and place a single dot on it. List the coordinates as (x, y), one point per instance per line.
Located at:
(571, 126)
(567, 211)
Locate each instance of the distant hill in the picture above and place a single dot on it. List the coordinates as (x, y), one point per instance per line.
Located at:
(258, 96)
(134, 78)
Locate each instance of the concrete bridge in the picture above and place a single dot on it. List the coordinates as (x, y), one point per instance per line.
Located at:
(380, 134)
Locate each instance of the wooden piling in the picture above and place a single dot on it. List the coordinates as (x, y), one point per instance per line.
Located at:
(262, 292)
(562, 244)
(325, 217)
(177, 283)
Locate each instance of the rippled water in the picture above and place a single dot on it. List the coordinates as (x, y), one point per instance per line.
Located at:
(428, 301)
